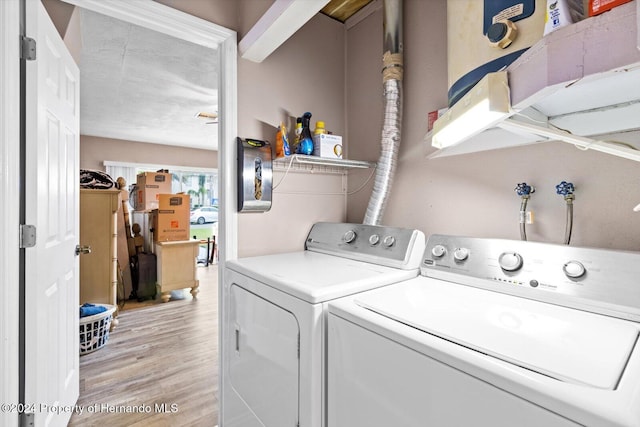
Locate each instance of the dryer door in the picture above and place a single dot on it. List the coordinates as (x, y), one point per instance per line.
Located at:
(264, 361)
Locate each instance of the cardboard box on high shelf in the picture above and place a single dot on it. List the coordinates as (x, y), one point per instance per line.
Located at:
(596, 7)
(327, 145)
(432, 116)
(150, 186)
(171, 219)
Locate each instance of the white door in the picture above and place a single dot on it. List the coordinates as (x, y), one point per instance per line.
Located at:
(52, 204)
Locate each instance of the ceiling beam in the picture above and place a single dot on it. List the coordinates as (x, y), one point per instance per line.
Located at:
(279, 22)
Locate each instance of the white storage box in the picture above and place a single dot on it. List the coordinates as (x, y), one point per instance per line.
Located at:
(326, 145)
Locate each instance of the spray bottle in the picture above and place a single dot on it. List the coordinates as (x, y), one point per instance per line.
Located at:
(306, 141)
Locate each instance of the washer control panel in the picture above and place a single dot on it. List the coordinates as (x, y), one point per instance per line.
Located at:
(388, 246)
(599, 280)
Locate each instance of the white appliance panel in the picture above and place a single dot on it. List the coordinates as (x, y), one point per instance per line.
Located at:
(566, 344)
(317, 277)
(374, 382)
(266, 298)
(264, 363)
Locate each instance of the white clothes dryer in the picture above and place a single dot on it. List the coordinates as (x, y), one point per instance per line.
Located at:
(274, 320)
(492, 333)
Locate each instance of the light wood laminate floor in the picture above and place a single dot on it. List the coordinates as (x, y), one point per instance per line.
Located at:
(160, 353)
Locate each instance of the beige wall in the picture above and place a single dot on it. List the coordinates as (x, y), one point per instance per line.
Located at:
(221, 12)
(249, 12)
(60, 13)
(306, 73)
(95, 150)
(474, 194)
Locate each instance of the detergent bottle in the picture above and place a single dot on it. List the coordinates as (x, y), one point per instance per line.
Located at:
(306, 141)
(320, 129)
(297, 135)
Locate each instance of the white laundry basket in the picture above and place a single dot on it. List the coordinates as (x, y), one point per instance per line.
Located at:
(94, 330)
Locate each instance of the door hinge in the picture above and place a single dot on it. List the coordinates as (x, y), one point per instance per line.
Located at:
(28, 49)
(27, 236)
(27, 419)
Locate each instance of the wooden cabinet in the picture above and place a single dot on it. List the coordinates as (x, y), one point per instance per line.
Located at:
(177, 267)
(98, 269)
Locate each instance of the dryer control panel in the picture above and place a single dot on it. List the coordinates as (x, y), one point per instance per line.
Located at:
(597, 280)
(388, 246)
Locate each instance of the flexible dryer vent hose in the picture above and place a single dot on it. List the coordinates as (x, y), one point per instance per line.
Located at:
(391, 130)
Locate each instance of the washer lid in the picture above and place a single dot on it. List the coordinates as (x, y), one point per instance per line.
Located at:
(567, 344)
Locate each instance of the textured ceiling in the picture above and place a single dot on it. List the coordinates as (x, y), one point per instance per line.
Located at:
(140, 85)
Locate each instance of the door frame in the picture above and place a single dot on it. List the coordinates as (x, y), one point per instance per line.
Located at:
(145, 13)
(10, 209)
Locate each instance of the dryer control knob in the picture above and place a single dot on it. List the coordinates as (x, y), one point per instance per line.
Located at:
(374, 239)
(438, 251)
(461, 254)
(389, 241)
(349, 236)
(574, 269)
(510, 261)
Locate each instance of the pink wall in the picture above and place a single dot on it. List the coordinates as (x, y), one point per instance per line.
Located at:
(474, 194)
(306, 73)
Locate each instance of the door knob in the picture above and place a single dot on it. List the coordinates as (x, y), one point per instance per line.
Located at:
(83, 250)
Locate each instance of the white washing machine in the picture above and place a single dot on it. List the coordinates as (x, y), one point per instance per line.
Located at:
(274, 321)
(492, 333)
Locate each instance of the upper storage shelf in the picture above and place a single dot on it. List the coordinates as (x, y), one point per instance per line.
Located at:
(301, 161)
(583, 78)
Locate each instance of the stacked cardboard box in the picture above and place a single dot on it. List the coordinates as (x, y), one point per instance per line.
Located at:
(597, 7)
(171, 219)
(150, 186)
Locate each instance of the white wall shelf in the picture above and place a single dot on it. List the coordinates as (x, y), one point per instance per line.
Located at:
(583, 78)
(311, 163)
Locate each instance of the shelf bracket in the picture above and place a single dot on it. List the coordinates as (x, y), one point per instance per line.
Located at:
(579, 141)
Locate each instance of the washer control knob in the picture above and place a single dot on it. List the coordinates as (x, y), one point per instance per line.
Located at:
(461, 254)
(438, 251)
(510, 261)
(389, 241)
(374, 239)
(349, 236)
(574, 269)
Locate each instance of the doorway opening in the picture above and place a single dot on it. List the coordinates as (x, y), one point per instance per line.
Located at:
(168, 21)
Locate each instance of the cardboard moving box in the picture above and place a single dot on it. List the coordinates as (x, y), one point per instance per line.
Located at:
(171, 220)
(150, 186)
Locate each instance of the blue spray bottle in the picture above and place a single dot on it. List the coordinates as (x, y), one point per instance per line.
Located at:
(306, 141)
